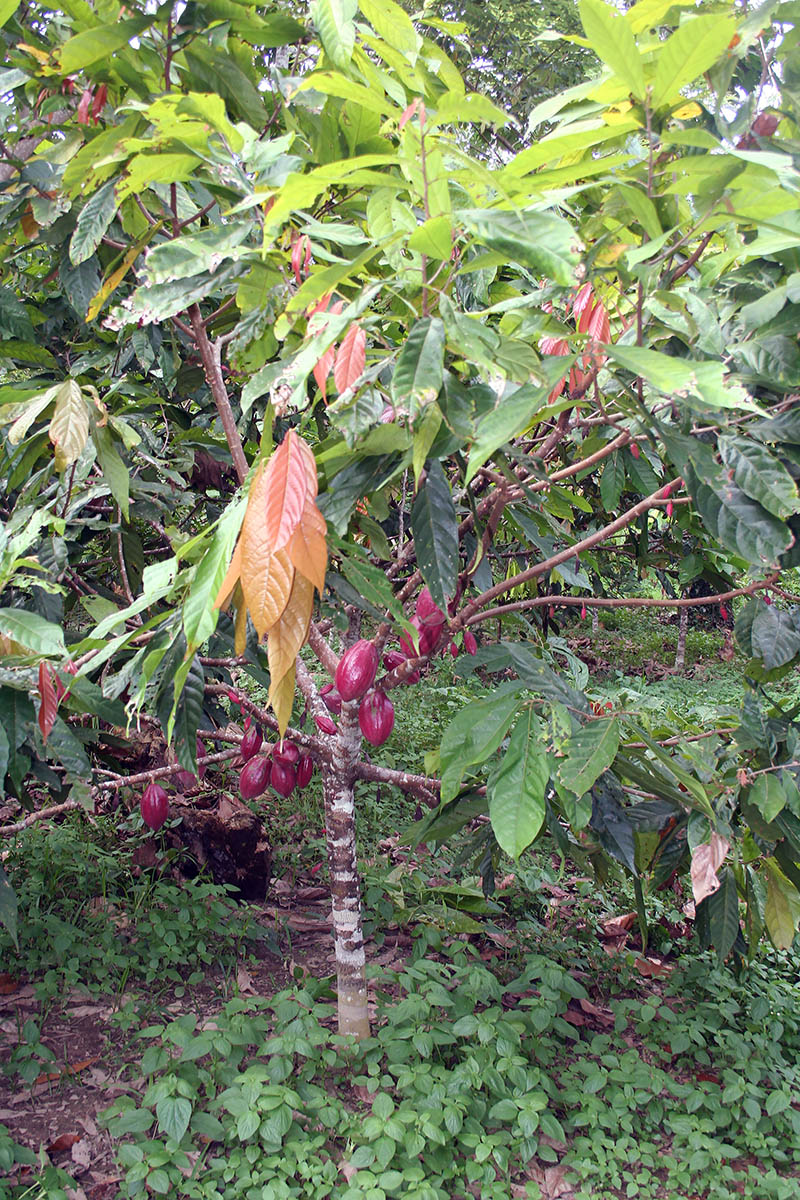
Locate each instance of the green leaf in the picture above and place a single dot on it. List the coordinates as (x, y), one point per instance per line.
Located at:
(473, 735)
(174, 1114)
(707, 380)
(8, 907)
(32, 632)
(612, 40)
(92, 45)
(111, 464)
(760, 475)
(419, 373)
(7, 10)
(394, 25)
(782, 907)
(334, 21)
(612, 481)
(767, 794)
(199, 615)
(688, 53)
(511, 416)
(589, 752)
(93, 221)
(425, 431)
(15, 322)
(196, 253)
(69, 425)
(516, 788)
(435, 528)
(610, 823)
(153, 305)
(541, 241)
(371, 583)
(723, 914)
(774, 637)
(188, 694)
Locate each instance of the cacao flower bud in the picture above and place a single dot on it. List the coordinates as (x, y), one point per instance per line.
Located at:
(470, 644)
(356, 670)
(154, 806)
(583, 612)
(254, 778)
(305, 769)
(376, 717)
(284, 778)
(251, 742)
(285, 753)
(325, 725)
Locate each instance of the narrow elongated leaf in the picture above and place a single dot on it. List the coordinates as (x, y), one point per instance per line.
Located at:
(688, 53)
(350, 358)
(371, 582)
(435, 528)
(285, 487)
(69, 425)
(92, 45)
(186, 713)
(612, 40)
(723, 914)
(419, 373)
(199, 610)
(473, 735)
(48, 701)
(516, 788)
(610, 823)
(8, 907)
(32, 632)
(511, 416)
(589, 752)
(612, 481)
(93, 221)
(111, 464)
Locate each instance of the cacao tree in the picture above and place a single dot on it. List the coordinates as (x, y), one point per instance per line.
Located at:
(288, 361)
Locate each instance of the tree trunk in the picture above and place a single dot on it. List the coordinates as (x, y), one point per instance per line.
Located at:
(683, 626)
(340, 829)
(595, 621)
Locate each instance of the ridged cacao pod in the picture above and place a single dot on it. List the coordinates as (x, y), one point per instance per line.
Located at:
(305, 769)
(251, 742)
(453, 650)
(470, 644)
(392, 659)
(376, 717)
(356, 670)
(254, 778)
(284, 778)
(331, 699)
(324, 724)
(154, 806)
(285, 753)
(431, 617)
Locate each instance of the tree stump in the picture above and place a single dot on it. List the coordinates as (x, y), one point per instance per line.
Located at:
(229, 841)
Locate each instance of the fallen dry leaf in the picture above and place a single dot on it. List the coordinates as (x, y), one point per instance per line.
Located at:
(244, 981)
(81, 1153)
(652, 967)
(8, 985)
(63, 1142)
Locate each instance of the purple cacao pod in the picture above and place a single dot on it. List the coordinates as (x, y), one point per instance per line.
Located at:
(185, 780)
(325, 724)
(470, 644)
(285, 753)
(305, 769)
(393, 658)
(254, 778)
(284, 778)
(376, 717)
(356, 670)
(154, 806)
(251, 742)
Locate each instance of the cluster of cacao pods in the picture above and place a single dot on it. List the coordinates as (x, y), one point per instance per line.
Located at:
(355, 676)
(281, 767)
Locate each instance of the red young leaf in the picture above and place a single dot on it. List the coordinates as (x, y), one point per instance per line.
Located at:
(98, 102)
(554, 346)
(49, 701)
(582, 306)
(83, 107)
(408, 113)
(350, 358)
(286, 485)
(323, 369)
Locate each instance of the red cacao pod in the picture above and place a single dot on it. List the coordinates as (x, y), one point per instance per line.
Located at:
(254, 778)
(201, 751)
(392, 659)
(376, 717)
(154, 805)
(470, 644)
(356, 670)
(305, 769)
(431, 617)
(251, 742)
(331, 699)
(284, 778)
(285, 753)
(325, 725)
(453, 650)
(185, 779)
(428, 636)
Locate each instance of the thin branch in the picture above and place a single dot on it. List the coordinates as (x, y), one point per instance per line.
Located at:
(322, 649)
(213, 372)
(42, 815)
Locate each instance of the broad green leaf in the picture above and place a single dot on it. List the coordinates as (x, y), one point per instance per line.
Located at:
(611, 39)
(195, 253)
(15, 321)
(767, 794)
(541, 241)
(153, 305)
(419, 373)
(69, 425)
(144, 170)
(612, 481)
(8, 906)
(28, 411)
(181, 709)
(774, 636)
(435, 528)
(610, 822)
(690, 51)
(394, 25)
(111, 464)
(433, 237)
(7, 10)
(473, 735)
(371, 582)
(32, 632)
(5, 753)
(782, 907)
(760, 475)
(92, 45)
(93, 221)
(511, 416)
(173, 1114)
(334, 21)
(706, 380)
(199, 614)
(723, 914)
(589, 752)
(516, 788)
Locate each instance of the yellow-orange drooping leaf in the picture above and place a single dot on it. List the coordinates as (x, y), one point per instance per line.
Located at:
(240, 625)
(231, 578)
(290, 632)
(267, 575)
(350, 358)
(308, 549)
(282, 699)
(285, 489)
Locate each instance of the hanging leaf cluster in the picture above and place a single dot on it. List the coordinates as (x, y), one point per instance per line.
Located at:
(278, 561)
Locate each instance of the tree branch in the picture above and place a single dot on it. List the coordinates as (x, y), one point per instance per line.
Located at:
(213, 371)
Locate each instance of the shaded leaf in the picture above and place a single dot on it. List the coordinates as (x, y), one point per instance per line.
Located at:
(435, 528)
(93, 221)
(609, 821)
(473, 735)
(419, 373)
(589, 752)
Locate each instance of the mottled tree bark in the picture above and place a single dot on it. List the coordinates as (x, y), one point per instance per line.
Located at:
(683, 626)
(340, 827)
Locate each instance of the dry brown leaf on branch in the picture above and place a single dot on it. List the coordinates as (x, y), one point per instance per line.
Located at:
(707, 858)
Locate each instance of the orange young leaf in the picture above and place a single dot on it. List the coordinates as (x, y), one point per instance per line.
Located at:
(307, 547)
(240, 624)
(323, 369)
(350, 358)
(231, 578)
(267, 584)
(290, 632)
(285, 487)
(311, 467)
(408, 113)
(282, 698)
(49, 701)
